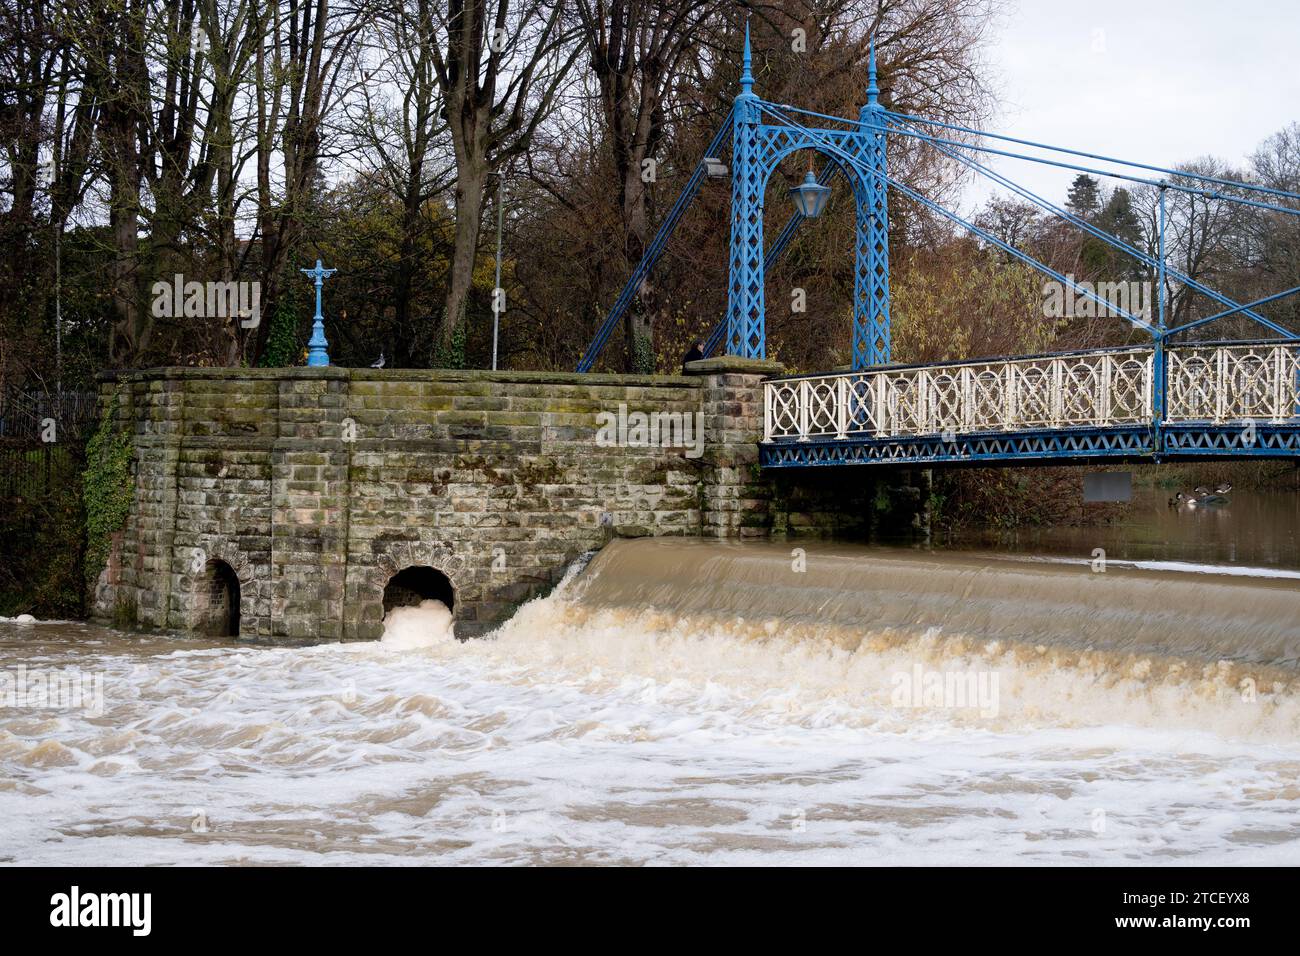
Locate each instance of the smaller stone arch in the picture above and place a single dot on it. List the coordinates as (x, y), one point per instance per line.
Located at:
(393, 556)
(225, 570)
(218, 598)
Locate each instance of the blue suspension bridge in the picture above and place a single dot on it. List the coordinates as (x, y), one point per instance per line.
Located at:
(1169, 400)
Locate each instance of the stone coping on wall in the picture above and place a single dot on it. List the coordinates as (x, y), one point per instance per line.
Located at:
(335, 373)
(733, 364)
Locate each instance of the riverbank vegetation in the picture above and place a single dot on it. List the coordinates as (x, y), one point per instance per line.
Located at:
(240, 141)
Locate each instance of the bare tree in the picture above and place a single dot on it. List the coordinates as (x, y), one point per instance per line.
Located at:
(500, 76)
(1275, 236)
(1203, 240)
(397, 122)
(300, 75)
(114, 44)
(635, 49)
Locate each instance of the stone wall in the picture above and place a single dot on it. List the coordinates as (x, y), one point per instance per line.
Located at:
(317, 486)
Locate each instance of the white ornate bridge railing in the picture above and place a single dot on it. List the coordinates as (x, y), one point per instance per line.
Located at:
(1093, 389)
(1231, 383)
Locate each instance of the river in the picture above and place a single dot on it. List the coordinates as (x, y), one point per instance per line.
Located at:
(706, 703)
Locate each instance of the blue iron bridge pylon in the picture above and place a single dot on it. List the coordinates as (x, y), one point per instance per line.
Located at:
(1173, 399)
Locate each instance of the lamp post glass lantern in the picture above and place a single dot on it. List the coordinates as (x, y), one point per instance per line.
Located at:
(810, 198)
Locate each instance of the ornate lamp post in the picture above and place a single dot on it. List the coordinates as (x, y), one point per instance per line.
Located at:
(317, 348)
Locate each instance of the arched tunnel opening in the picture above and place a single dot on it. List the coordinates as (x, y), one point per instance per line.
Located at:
(219, 601)
(411, 585)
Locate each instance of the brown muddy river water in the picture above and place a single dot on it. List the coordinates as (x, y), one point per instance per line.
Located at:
(692, 702)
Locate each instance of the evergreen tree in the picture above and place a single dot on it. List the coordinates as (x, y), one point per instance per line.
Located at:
(1120, 219)
(1084, 199)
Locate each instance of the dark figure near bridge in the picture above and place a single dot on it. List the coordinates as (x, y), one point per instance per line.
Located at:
(694, 355)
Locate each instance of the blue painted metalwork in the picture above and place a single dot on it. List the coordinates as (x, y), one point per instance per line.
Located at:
(870, 338)
(757, 148)
(746, 335)
(1130, 444)
(1178, 187)
(318, 354)
(1240, 308)
(1263, 440)
(828, 141)
(774, 253)
(871, 327)
(1235, 184)
(1210, 399)
(1113, 241)
(1159, 361)
(763, 135)
(1027, 447)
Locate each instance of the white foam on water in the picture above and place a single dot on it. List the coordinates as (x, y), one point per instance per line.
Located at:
(1186, 567)
(423, 625)
(580, 734)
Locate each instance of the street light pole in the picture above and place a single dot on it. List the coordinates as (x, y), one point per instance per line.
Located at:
(497, 295)
(318, 355)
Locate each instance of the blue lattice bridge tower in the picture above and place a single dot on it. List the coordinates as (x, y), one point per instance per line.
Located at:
(758, 146)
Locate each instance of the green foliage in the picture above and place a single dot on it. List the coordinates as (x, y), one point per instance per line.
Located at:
(282, 340)
(451, 355)
(1099, 259)
(1084, 199)
(643, 355)
(107, 488)
(41, 544)
(935, 503)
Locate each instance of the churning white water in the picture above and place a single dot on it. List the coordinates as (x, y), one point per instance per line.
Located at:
(422, 625)
(586, 730)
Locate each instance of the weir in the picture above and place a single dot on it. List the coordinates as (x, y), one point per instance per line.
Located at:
(851, 594)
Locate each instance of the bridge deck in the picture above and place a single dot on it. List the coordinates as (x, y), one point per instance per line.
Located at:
(1209, 401)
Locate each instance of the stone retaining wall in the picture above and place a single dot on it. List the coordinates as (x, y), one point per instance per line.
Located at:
(316, 486)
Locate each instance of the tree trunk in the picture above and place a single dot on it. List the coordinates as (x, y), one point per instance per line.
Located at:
(404, 340)
(121, 123)
(638, 321)
(130, 336)
(460, 277)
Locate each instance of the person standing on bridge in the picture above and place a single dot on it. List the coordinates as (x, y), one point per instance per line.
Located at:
(694, 355)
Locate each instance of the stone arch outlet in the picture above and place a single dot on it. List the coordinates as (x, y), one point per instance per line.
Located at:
(218, 601)
(416, 583)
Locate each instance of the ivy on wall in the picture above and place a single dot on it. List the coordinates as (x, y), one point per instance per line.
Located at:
(282, 346)
(643, 355)
(107, 487)
(452, 355)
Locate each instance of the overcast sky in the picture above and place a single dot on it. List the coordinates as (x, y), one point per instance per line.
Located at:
(1160, 81)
